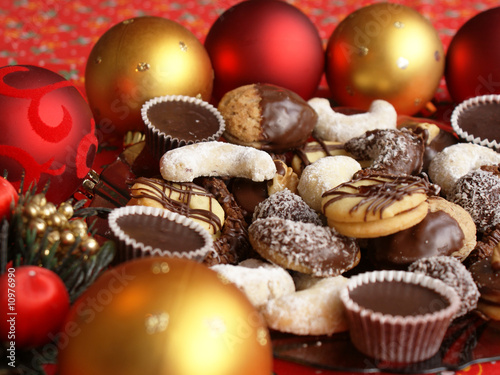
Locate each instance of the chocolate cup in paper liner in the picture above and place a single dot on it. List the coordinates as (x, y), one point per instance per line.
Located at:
(142, 231)
(477, 120)
(398, 316)
(173, 121)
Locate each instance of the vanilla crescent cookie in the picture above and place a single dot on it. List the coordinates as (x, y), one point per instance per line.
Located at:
(338, 127)
(258, 280)
(216, 159)
(316, 310)
(373, 205)
(303, 247)
(325, 174)
(455, 161)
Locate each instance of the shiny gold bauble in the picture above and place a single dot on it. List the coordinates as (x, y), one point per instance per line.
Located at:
(163, 316)
(384, 51)
(139, 59)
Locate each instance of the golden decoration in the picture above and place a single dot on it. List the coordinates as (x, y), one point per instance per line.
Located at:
(137, 60)
(164, 316)
(384, 51)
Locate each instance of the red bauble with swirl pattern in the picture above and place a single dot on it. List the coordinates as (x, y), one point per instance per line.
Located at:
(265, 41)
(47, 131)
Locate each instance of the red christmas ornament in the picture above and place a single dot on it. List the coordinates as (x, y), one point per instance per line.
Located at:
(34, 302)
(7, 195)
(265, 41)
(47, 131)
(473, 57)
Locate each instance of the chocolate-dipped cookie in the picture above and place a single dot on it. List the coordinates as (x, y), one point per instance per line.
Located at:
(267, 117)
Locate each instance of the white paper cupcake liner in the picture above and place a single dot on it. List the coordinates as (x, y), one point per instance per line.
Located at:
(398, 339)
(464, 106)
(129, 248)
(159, 142)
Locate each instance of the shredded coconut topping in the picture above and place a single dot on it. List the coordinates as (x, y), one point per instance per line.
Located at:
(321, 249)
(478, 192)
(286, 205)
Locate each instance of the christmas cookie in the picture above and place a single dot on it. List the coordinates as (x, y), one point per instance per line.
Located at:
(389, 150)
(323, 175)
(266, 117)
(187, 199)
(303, 247)
(456, 161)
(260, 281)
(338, 127)
(315, 310)
(375, 205)
(478, 192)
(447, 229)
(212, 159)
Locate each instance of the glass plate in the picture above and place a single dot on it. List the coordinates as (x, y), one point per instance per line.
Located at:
(469, 340)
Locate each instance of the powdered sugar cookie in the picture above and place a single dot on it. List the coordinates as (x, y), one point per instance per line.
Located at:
(260, 281)
(456, 161)
(323, 175)
(335, 126)
(316, 310)
(212, 159)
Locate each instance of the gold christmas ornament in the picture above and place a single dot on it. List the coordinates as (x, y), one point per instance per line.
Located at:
(139, 59)
(164, 316)
(384, 51)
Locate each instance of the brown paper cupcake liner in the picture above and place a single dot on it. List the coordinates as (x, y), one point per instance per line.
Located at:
(483, 135)
(139, 233)
(397, 338)
(160, 141)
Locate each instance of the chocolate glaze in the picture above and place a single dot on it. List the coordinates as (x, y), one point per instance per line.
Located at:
(487, 279)
(388, 190)
(287, 119)
(163, 191)
(437, 144)
(482, 121)
(438, 234)
(398, 298)
(248, 193)
(317, 146)
(183, 120)
(160, 233)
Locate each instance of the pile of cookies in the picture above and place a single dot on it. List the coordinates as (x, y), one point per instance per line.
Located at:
(298, 198)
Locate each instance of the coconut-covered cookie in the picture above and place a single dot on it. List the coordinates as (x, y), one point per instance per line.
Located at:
(303, 247)
(389, 150)
(286, 205)
(478, 192)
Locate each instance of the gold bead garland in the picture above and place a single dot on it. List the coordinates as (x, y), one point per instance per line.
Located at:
(57, 226)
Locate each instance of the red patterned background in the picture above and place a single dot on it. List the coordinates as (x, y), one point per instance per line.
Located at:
(59, 34)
